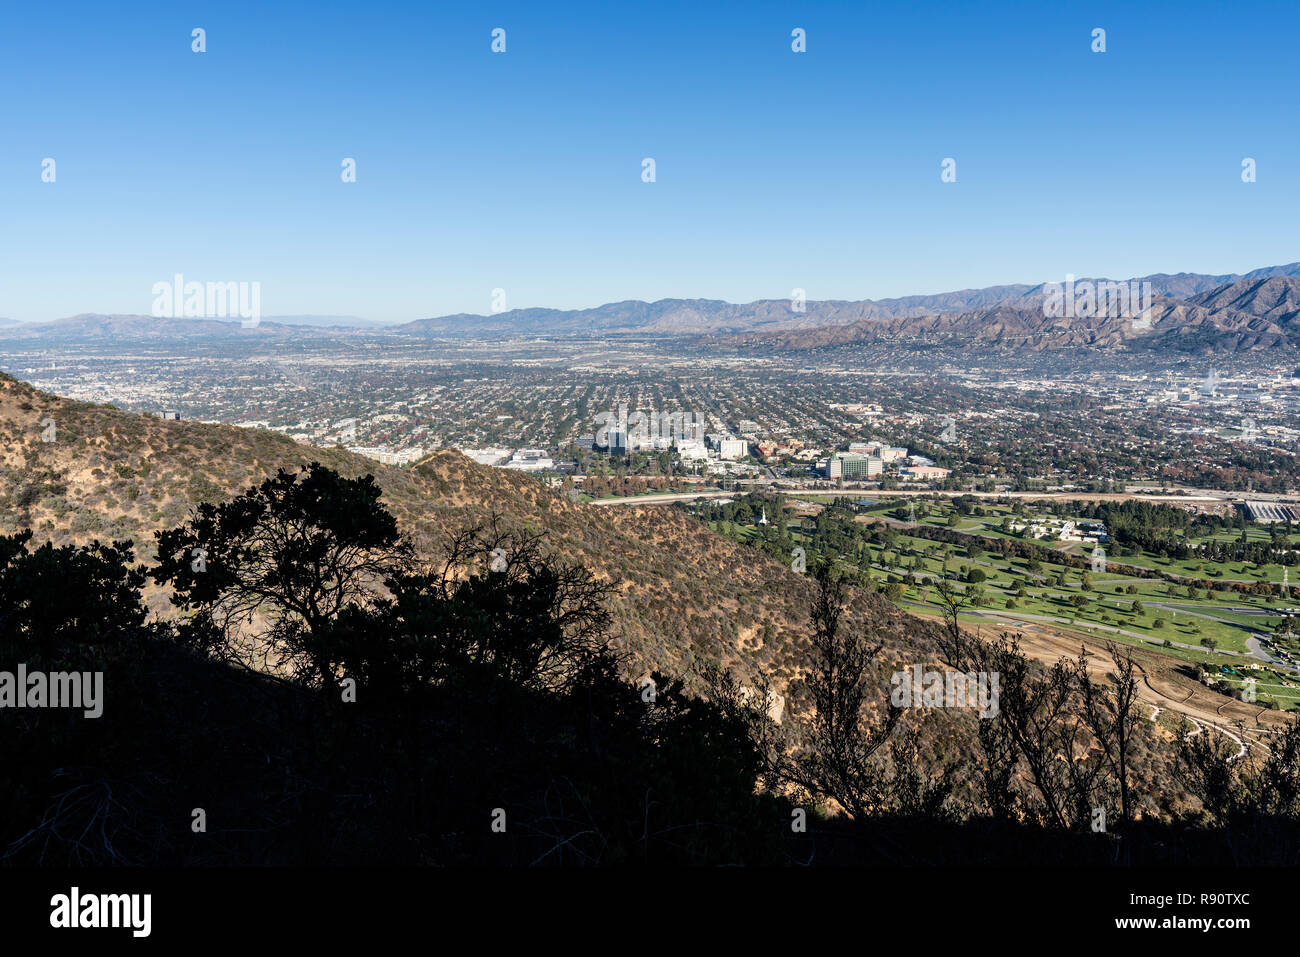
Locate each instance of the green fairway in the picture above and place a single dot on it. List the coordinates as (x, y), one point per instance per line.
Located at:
(1206, 626)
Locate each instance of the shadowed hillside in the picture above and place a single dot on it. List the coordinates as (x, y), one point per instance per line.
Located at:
(670, 599)
(682, 594)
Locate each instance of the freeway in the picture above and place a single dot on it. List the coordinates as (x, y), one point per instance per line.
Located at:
(1188, 496)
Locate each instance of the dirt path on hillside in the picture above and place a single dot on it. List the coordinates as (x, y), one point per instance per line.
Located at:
(1165, 686)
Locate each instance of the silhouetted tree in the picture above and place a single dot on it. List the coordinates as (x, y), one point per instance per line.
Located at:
(1111, 714)
(293, 552)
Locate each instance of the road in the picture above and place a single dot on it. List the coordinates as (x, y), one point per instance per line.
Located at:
(1164, 686)
(1192, 496)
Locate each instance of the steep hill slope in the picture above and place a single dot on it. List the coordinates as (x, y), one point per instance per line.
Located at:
(1276, 299)
(1022, 325)
(682, 592)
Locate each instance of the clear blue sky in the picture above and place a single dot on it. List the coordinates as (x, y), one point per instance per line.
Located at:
(775, 170)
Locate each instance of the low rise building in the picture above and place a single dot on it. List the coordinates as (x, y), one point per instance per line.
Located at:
(529, 460)
(489, 456)
(923, 473)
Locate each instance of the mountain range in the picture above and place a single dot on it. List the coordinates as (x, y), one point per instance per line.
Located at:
(1190, 312)
(1246, 314)
(713, 316)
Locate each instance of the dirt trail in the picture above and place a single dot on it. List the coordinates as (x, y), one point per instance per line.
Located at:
(1164, 686)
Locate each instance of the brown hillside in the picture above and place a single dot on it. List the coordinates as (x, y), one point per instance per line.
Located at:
(682, 592)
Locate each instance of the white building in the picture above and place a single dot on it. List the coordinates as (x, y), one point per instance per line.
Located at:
(731, 448)
(854, 466)
(530, 460)
(388, 456)
(490, 456)
(692, 451)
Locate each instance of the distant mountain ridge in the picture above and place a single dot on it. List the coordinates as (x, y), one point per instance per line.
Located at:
(1244, 315)
(1276, 298)
(329, 322)
(1193, 311)
(717, 317)
(97, 326)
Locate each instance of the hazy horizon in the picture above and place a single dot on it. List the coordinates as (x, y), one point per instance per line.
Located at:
(310, 319)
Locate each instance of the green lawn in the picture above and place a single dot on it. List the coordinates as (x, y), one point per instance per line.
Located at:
(1106, 613)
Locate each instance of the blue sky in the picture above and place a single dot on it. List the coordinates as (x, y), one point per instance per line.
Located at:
(522, 170)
